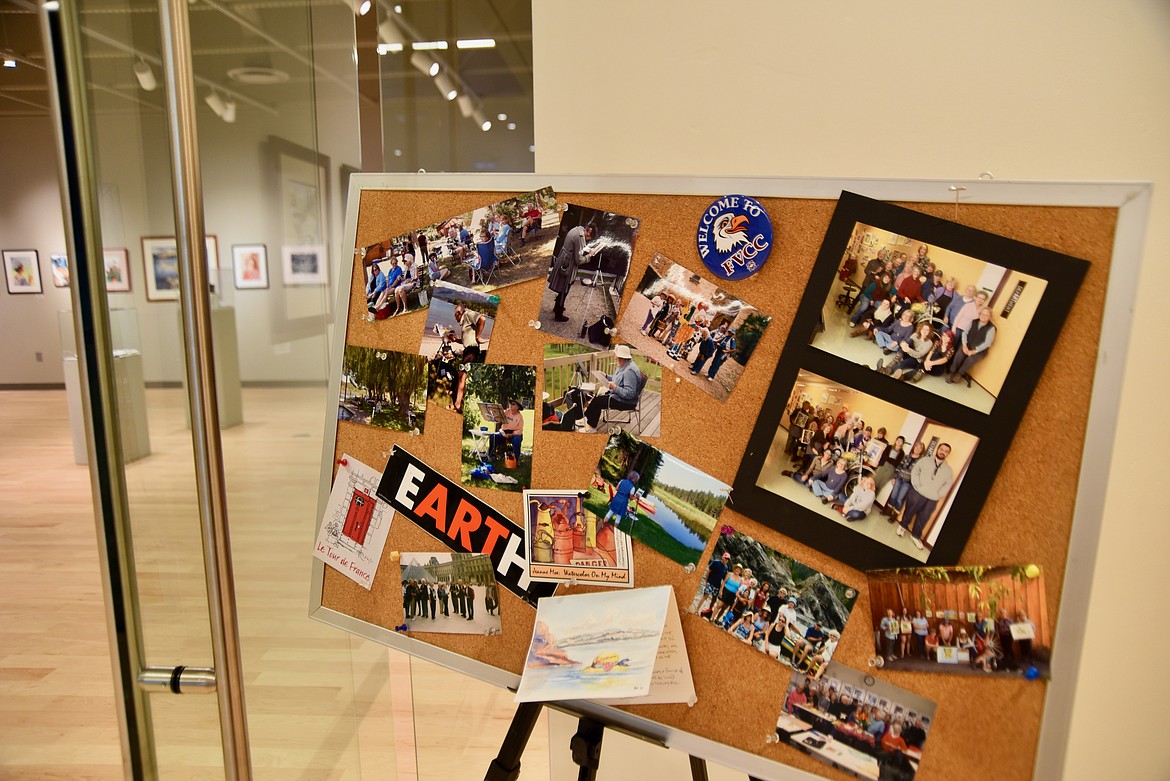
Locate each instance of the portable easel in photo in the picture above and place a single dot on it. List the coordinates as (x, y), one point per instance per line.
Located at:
(585, 744)
(596, 282)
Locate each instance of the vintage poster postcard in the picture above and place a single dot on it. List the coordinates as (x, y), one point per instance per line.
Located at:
(568, 543)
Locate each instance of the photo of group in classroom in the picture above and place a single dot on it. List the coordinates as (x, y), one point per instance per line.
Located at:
(867, 727)
(962, 620)
(773, 603)
(882, 470)
(948, 322)
(486, 248)
(705, 334)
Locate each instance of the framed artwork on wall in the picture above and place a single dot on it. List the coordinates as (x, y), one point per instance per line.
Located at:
(160, 257)
(304, 264)
(117, 262)
(59, 265)
(250, 265)
(22, 271)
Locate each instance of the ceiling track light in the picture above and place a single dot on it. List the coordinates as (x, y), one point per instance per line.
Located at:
(476, 43)
(425, 64)
(466, 105)
(145, 75)
(215, 103)
(446, 86)
(481, 119)
(362, 7)
(426, 46)
(9, 60)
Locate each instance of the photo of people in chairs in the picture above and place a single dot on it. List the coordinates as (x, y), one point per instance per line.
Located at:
(596, 391)
(947, 322)
(854, 459)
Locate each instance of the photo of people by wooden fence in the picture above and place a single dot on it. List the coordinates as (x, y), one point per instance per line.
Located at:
(962, 620)
(383, 388)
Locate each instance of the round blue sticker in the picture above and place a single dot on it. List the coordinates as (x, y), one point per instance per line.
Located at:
(734, 236)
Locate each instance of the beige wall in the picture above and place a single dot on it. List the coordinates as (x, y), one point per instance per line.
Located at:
(1048, 90)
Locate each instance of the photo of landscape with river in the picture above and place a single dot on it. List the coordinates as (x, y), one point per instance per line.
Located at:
(673, 507)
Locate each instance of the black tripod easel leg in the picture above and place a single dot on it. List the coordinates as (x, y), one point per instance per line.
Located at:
(506, 765)
(586, 748)
(698, 769)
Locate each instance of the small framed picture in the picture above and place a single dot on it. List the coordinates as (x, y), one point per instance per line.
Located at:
(250, 263)
(161, 258)
(117, 262)
(304, 264)
(22, 271)
(59, 265)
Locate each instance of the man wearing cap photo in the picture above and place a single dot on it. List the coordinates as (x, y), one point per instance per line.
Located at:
(623, 390)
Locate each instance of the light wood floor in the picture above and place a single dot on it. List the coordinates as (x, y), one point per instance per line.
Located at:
(321, 705)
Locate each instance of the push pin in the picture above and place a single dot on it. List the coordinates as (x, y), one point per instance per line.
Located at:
(402, 628)
(534, 324)
(689, 568)
(771, 737)
(571, 582)
(1032, 673)
(343, 461)
(395, 555)
(678, 379)
(370, 317)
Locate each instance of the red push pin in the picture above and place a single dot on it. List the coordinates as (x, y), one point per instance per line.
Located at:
(343, 461)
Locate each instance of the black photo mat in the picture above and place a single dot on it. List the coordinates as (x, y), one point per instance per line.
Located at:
(995, 430)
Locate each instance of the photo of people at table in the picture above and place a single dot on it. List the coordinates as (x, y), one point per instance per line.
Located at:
(884, 471)
(962, 620)
(587, 269)
(498, 425)
(773, 603)
(851, 720)
(453, 593)
(705, 334)
(948, 322)
(486, 248)
(456, 334)
(595, 391)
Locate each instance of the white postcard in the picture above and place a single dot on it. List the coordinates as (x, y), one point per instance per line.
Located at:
(354, 528)
(621, 647)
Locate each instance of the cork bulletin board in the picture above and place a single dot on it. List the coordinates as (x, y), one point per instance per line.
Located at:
(740, 691)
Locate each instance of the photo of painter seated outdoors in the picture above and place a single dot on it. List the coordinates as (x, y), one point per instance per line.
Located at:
(962, 620)
(861, 725)
(884, 471)
(948, 322)
(598, 391)
(498, 424)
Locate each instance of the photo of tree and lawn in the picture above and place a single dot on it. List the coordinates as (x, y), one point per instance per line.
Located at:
(383, 388)
(674, 507)
(497, 437)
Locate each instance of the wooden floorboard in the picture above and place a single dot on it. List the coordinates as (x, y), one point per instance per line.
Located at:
(321, 705)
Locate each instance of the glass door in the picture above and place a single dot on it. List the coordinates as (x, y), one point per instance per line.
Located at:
(315, 701)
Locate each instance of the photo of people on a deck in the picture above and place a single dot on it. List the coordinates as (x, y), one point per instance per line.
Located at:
(962, 620)
(587, 270)
(863, 462)
(383, 388)
(703, 333)
(599, 391)
(773, 603)
(486, 248)
(456, 334)
(856, 723)
(948, 322)
(453, 593)
(655, 498)
(498, 424)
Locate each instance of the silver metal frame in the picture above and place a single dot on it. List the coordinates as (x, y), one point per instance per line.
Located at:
(1132, 200)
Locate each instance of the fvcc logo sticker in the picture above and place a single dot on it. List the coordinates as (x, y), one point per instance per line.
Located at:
(460, 520)
(735, 236)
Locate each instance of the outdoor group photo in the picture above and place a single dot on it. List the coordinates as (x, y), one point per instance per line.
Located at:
(454, 593)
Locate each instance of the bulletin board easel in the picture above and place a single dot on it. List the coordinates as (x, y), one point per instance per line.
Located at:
(1072, 413)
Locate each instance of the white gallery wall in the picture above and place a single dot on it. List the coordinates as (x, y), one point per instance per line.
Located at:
(1061, 90)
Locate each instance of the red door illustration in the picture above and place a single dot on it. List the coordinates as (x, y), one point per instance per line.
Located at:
(357, 518)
